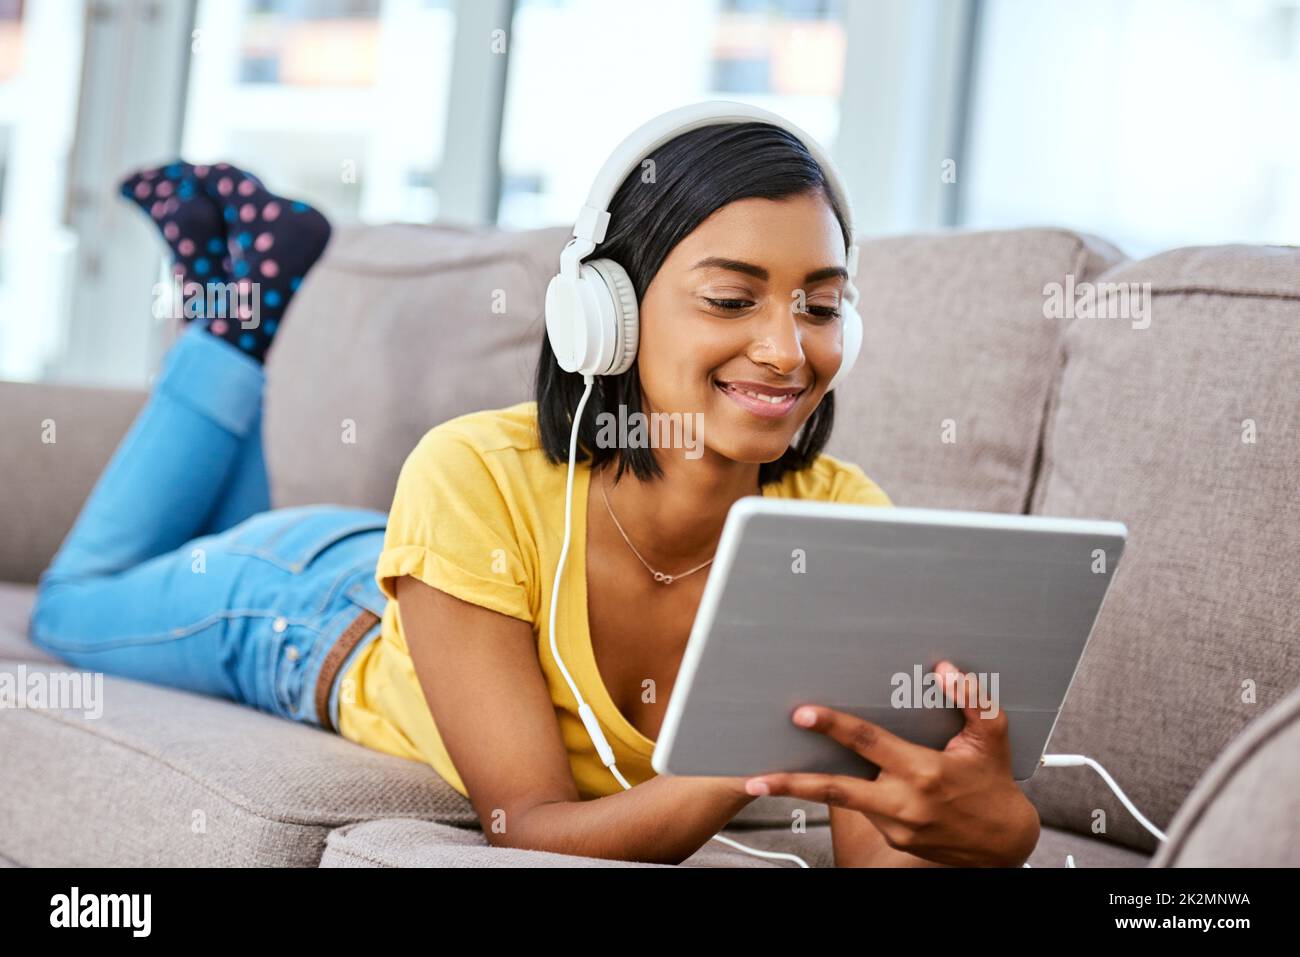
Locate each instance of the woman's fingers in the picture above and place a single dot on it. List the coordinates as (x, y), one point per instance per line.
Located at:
(963, 690)
(986, 722)
(957, 805)
(838, 790)
(869, 740)
(902, 763)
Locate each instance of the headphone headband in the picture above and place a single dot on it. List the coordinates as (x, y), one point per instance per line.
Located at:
(593, 218)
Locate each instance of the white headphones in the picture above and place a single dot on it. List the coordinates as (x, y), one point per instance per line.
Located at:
(592, 317)
(593, 324)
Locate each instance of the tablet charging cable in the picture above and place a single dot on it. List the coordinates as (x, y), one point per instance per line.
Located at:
(1079, 760)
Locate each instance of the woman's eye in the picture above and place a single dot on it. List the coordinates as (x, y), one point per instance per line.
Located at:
(730, 305)
(828, 313)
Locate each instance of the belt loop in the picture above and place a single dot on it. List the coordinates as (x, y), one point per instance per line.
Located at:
(334, 661)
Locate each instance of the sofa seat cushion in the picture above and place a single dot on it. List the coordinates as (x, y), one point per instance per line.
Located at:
(407, 843)
(1188, 431)
(167, 778)
(154, 776)
(1055, 844)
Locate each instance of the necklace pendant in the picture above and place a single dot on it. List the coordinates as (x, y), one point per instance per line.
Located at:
(661, 577)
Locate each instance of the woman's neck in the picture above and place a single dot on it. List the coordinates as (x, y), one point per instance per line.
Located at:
(677, 519)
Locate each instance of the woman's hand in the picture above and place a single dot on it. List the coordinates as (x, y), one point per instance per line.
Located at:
(958, 806)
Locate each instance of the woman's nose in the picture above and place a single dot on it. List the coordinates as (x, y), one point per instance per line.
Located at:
(777, 339)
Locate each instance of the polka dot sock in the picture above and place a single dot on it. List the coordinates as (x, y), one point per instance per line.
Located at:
(272, 243)
(189, 221)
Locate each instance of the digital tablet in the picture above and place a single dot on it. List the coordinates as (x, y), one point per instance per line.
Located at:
(852, 606)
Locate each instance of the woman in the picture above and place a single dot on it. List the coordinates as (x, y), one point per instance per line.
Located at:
(176, 573)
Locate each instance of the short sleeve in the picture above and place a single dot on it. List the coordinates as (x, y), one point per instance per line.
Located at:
(452, 526)
(853, 487)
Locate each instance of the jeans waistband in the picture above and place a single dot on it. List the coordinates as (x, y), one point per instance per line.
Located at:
(341, 652)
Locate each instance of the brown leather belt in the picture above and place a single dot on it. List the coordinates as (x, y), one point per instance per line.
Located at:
(334, 661)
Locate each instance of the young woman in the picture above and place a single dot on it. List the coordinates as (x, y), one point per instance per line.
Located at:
(425, 632)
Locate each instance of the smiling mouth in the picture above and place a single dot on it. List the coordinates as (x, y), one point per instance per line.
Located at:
(768, 406)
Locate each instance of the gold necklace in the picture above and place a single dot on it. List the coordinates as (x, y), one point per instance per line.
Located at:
(659, 576)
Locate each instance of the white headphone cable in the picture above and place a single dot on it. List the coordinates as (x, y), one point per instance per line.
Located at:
(584, 710)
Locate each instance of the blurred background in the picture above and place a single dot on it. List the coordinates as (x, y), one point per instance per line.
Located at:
(1152, 123)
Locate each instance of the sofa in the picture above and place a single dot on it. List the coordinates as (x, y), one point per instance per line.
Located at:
(970, 393)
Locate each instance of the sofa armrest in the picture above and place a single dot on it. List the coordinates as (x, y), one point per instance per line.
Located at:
(54, 442)
(1245, 809)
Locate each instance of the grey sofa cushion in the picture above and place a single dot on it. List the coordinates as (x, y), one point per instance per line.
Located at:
(1054, 845)
(15, 610)
(168, 778)
(155, 749)
(954, 330)
(1245, 811)
(1147, 428)
(148, 767)
(422, 844)
(394, 331)
(46, 482)
(127, 787)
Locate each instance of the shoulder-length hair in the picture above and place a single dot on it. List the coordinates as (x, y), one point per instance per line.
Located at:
(696, 174)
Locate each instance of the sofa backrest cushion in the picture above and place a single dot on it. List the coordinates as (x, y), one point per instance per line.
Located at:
(399, 328)
(1188, 431)
(55, 440)
(945, 406)
(395, 330)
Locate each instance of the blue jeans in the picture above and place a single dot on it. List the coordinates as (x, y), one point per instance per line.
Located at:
(176, 573)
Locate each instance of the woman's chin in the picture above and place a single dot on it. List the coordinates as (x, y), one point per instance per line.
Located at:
(748, 448)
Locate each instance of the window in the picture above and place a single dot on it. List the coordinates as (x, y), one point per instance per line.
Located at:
(11, 61)
(1157, 124)
(40, 61)
(338, 102)
(11, 39)
(584, 73)
(1154, 125)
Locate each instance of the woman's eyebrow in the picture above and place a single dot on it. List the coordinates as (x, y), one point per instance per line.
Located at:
(758, 272)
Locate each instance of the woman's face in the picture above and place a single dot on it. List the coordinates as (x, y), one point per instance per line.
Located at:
(724, 310)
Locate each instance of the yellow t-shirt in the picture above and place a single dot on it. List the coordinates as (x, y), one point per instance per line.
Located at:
(479, 514)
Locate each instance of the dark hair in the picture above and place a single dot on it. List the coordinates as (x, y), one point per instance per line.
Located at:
(696, 174)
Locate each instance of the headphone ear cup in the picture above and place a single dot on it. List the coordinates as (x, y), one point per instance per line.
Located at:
(621, 317)
(566, 324)
(593, 322)
(851, 322)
